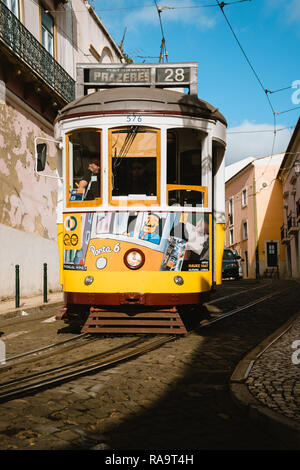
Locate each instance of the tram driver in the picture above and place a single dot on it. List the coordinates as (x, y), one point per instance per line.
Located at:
(90, 181)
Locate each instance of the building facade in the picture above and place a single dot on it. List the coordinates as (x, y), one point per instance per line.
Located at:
(40, 44)
(254, 215)
(289, 175)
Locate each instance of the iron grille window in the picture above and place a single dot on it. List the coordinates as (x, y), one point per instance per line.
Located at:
(16, 37)
(13, 5)
(47, 31)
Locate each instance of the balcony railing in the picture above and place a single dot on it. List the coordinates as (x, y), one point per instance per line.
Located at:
(25, 45)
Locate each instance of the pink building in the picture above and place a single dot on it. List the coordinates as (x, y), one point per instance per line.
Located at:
(289, 175)
(254, 215)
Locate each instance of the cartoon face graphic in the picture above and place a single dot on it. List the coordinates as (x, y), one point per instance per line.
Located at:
(151, 223)
(202, 227)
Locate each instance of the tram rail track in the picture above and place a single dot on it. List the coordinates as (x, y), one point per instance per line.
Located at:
(229, 296)
(18, 387)
(46, 351)
(209, 322)
(98, 362)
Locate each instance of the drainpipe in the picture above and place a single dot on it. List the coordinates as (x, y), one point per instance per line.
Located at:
(255, 231)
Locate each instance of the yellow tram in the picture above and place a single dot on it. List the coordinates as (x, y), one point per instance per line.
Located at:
(141, 222)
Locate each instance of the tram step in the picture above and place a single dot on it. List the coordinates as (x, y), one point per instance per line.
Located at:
(159, 321)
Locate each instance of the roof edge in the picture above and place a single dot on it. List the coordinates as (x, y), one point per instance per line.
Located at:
(289, 147)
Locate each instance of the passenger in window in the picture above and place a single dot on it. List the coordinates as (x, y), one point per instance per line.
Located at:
(90, 181)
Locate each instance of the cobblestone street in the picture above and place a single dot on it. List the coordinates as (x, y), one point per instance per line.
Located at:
(175, 397)
(280, 389)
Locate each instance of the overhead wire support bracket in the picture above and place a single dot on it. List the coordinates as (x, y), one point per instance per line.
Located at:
(163, 41)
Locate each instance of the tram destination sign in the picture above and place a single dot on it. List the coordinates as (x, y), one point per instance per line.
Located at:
(179, 75)
(108, 75)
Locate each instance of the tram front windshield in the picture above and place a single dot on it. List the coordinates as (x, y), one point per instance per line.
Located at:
(134, 162)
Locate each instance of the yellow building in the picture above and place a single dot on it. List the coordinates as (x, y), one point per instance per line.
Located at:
(254, 215)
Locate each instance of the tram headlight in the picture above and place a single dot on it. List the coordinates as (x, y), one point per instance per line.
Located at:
(88, 280)
(134, 258)
(178, 280)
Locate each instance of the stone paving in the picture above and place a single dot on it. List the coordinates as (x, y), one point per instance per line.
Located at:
(158, 401)
(176, 397)
(275, 377)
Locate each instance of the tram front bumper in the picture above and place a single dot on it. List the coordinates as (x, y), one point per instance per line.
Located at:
(140, 288)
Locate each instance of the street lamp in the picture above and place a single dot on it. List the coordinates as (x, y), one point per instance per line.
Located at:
(297, 167)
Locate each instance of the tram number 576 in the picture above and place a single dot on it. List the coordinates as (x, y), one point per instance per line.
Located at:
(134, 118)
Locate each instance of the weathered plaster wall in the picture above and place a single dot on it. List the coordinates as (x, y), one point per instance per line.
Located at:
(88, 31)
(30, 252)
(27, 201)
(27, 204)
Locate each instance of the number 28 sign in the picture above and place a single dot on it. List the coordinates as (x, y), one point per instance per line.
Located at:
(173, 74)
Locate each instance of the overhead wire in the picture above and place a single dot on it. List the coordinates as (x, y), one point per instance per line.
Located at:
(188, 7)
(288, 110)
(159, 8)
(177, 7)
(280, 89)
(222, 5)
(263, 130)
(266, 91)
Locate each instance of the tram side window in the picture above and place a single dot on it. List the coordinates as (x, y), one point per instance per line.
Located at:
(184, 170)
(84, 166)
(171, 158)
(190, 167)
(134, 163)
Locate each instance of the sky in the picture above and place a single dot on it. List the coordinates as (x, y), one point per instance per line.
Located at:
(197, 31)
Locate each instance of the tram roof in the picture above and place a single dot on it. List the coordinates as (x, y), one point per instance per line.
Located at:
(140, 100)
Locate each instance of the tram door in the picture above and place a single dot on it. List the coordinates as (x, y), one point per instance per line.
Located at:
(272, 254)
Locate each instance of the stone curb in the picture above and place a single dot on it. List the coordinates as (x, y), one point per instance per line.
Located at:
(284, 428)
(17, 312)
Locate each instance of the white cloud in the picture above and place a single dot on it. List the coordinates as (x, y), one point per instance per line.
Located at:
(188, 15)
(293, 10)
(255, 140)
(290, 9)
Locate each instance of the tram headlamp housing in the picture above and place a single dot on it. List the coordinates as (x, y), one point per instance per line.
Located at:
(134, 258)
(178, 280)
(88, 280)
